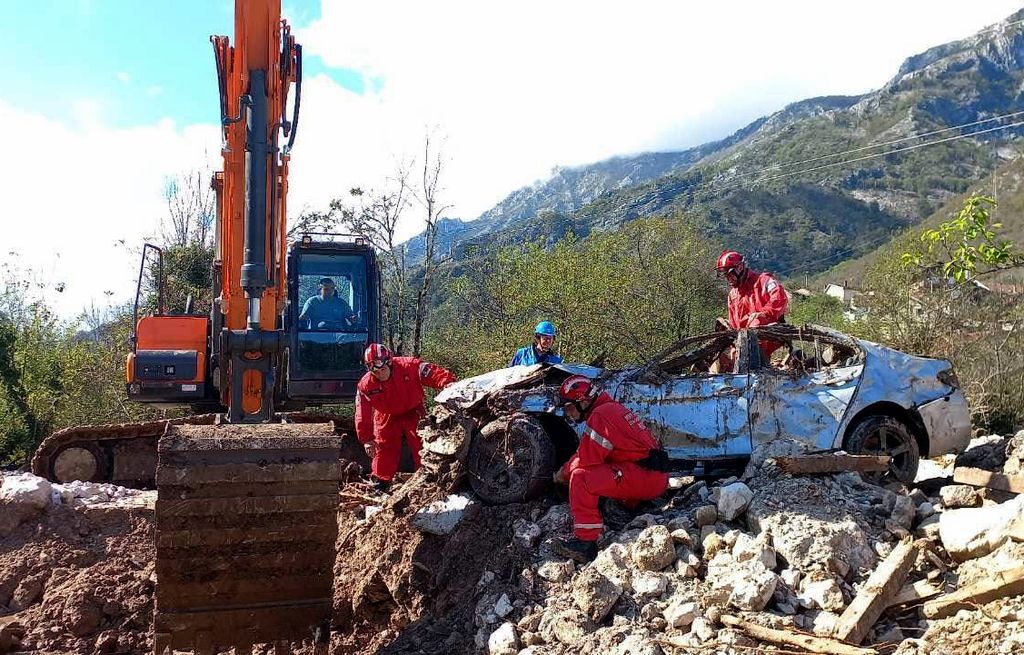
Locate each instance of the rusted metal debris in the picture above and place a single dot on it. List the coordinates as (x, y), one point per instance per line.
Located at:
(1000, 585)
(872, 599)
(982, 478)
(833, 463)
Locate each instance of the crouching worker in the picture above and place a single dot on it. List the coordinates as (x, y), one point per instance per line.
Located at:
(617, 458)
(389, 405)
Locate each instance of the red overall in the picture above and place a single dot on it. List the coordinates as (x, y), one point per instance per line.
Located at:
(385, 411)
(604, 465)
(760, 293)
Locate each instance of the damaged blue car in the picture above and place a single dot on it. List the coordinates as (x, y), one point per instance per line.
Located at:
(715, 399)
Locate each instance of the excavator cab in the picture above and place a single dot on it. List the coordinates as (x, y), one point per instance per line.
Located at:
(332, 315)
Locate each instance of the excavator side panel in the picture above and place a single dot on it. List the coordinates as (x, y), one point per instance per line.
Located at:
(246, 520)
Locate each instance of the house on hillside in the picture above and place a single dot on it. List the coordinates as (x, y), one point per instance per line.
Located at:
(847, 296)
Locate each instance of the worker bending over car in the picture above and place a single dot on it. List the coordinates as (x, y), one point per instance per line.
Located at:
(389, 405)
(618, 458)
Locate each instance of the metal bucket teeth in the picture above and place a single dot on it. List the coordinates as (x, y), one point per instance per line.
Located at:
(246, 519)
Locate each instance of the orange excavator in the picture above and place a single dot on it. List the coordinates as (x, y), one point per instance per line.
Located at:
(247, 493)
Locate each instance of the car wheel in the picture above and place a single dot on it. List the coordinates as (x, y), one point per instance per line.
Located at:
(510, 460)
(885, 435)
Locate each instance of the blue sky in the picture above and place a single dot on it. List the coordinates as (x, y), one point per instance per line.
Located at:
(103, 100)
(134, 61)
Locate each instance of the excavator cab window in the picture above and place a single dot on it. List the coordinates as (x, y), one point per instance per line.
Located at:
(332, 329)
(332, 316)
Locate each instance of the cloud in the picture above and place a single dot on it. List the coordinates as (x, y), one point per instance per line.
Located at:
(522, 87)
(75, 191)
(154, 90)
(124, 78)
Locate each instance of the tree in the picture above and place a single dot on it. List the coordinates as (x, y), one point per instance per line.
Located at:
(428, 194)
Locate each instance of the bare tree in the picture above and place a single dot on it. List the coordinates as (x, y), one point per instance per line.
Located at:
(428, 196)
(190, 209)
(375, 216)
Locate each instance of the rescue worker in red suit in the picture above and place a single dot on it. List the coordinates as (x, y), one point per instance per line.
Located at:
(617, 458)
(755, 300)
(389, 405)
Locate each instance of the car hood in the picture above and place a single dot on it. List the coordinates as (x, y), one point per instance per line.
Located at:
(470, 391)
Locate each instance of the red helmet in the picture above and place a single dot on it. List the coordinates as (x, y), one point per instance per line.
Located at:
(729, 259)
(577, 388)
(376, 353)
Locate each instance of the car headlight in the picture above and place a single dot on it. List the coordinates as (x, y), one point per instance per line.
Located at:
(948, 377)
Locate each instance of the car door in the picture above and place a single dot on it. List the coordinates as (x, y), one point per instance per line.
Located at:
(800, 403)
(693, 415)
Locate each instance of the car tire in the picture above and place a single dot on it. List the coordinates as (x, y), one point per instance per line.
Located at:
(510, 460)
(886, 435)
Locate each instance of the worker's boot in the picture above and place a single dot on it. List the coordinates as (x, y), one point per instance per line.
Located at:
(379, 485)
(577, 549)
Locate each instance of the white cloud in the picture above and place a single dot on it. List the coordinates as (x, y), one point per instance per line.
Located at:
(517, 88)
(522, 87)
(124, 78)
(73, 193)
(154, 90)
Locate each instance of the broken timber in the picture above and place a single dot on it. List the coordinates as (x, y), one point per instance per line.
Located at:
(982, 478)
(912, 593)
(1002, 584)
(807, 642)
(833, 463)
(873, 597)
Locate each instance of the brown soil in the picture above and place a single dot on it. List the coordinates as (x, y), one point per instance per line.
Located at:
(81, 581)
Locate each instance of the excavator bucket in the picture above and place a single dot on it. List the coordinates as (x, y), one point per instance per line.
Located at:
(246, 520)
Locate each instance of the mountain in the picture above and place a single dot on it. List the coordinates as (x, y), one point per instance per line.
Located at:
(780, 189)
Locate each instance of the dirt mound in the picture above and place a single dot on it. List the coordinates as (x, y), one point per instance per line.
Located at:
(80, 580)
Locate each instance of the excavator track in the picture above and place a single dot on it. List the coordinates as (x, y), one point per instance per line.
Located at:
(246, 521)
(126, 453)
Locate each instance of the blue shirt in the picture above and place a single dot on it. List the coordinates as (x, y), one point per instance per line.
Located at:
(528, 355)
(332, 310)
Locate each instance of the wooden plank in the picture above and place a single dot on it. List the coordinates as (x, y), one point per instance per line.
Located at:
(186, 474)
(1000, 585)
(248, 506)
(914, 593)
(982, 478)
(872, 599)
(832, 463)
(786, 638)
(324, 532)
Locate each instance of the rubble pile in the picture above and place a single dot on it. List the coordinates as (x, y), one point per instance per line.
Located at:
(76, 566)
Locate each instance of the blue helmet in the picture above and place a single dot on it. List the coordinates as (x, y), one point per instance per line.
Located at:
(547, 328)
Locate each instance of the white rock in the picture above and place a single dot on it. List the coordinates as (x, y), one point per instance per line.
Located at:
(976, 531)
(748, 548)
(680, 614)
(503, 607)
(733, 500)
(26, 491)
(594, 594)
(525, 533)
(555, 571)
(441, 517)
(745, 585)
(371, 510)
(791, 577)
(648, 584)
(702, 629)
(636, 644)
(959, 495)
(821, 593)
(504, 640)
(654, 549)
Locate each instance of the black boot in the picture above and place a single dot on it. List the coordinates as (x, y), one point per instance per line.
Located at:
(577, 549)
(380, 485)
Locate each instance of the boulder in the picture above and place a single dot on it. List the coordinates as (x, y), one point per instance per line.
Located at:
(504, 640)
(821, 591)
(706, 515)
(555, 571)
(745, 585)
(755, 548)
(987, 453)
(733, 500)
(441, 517)
(594, 594)
(525, 533)
(649, 584)
(613, 563)
(1014, 464)
(26, 491)
(976, 531)
(681, 613)
(654, 549)
(959, 495)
